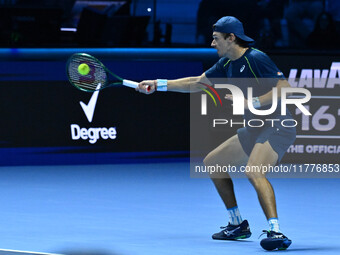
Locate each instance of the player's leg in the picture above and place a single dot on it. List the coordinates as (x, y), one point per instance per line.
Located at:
(229, 152)
(264, 155)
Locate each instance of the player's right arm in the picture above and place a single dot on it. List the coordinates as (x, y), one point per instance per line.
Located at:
(184, 85)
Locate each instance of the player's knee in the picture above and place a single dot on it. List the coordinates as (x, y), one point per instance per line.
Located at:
(217, 157)
(212, 159)
(206, 161)
(209, 159)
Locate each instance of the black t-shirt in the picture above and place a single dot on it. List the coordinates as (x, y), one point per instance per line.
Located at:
(254, 69)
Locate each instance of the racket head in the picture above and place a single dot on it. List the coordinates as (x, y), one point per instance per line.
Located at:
(95, 79)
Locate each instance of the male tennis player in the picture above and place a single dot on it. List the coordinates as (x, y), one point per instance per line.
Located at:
(251, 146)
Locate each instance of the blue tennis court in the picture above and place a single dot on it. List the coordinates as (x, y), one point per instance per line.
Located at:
(152, 209)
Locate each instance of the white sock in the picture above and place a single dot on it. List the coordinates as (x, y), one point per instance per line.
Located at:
(234, 216)
(274, 225)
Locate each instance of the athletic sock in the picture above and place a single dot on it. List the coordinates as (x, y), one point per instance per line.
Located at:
(234, 216)
(274, 225)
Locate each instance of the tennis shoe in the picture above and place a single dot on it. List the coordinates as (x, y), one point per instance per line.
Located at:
(233, 232)
(275, 240)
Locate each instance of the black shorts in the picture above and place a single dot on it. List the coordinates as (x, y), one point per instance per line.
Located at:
(279, 138)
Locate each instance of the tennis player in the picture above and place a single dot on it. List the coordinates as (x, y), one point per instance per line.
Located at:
(250, 146)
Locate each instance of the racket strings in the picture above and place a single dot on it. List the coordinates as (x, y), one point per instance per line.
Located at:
(89, 82)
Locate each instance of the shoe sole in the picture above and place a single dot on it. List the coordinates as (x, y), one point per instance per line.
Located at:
(235, 238)
(284, 245)
(243, 237)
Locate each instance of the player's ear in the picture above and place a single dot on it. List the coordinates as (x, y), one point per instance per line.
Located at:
(232, 37)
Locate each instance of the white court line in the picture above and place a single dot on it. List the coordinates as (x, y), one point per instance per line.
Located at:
(28, 252)
(319, 136)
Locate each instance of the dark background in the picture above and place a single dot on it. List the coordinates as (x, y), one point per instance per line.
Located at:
(274, 24)
(39, 105)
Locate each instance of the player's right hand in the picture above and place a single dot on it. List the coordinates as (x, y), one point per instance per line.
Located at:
(147, 87)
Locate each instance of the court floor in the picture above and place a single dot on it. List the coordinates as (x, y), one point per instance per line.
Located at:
(144, 209)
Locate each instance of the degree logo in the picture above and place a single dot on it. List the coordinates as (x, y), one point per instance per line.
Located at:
(89, 108)
(92, 134)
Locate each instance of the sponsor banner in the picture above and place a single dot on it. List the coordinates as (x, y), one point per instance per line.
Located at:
(40, 109)
(318, 137)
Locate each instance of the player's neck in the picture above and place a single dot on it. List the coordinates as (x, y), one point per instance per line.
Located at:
(237, 53)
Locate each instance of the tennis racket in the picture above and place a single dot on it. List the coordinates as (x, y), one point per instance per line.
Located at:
(87, 73)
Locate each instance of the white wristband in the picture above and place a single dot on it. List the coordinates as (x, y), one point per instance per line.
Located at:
(162, 85)
(256, 103)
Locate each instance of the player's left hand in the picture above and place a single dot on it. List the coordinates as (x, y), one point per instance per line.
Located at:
(230, 98)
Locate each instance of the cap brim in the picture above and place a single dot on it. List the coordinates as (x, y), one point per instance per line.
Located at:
(245, 38)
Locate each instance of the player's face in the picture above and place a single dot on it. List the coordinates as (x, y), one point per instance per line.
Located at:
(221, 44)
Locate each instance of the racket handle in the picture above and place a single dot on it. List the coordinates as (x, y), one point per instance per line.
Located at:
(132, 84)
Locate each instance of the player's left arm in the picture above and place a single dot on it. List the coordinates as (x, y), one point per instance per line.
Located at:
(267, 98)
(264, 67)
